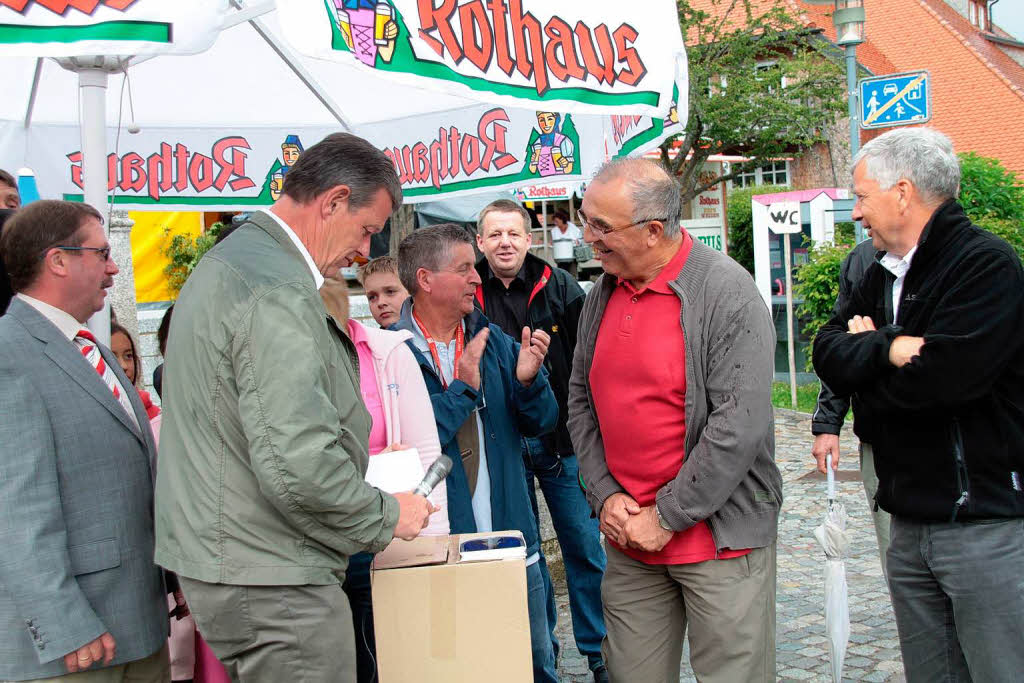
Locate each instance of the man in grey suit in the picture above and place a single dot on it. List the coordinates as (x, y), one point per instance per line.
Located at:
(80, 595)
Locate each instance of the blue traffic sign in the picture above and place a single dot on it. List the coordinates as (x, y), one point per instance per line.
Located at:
(895, 100)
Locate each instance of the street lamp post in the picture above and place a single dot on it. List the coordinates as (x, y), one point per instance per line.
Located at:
(848, 19)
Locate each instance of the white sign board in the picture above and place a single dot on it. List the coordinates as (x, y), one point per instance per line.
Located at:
(707, 231)
(784, 217)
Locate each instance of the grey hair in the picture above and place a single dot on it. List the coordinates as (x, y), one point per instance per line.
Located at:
(924, 156)
(429, 248)
(654, 192)
(343, 159)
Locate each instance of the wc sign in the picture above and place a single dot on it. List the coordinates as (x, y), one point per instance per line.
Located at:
(784, 217)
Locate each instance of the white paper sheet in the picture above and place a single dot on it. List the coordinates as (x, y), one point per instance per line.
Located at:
(396, 471)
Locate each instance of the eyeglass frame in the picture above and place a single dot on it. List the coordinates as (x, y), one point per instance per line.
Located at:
(587, 223)
(102, 251)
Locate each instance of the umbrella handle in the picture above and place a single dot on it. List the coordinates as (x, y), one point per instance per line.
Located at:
(831, 478)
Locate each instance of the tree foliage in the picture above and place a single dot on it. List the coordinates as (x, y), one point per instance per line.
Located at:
(739, 107)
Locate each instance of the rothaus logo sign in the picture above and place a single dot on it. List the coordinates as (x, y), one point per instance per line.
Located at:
(175, 167)
(486, 31)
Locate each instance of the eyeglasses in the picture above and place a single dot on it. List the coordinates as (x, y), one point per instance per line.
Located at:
(104, 252)
(605, 230)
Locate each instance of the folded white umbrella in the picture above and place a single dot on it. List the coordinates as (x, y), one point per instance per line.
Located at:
(835, 541)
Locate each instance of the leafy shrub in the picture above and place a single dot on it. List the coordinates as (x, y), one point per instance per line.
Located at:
(817, 281)
(184, 253)
(993, 198)
(988, 189)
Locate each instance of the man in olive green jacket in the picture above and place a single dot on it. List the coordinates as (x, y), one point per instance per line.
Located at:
(260, 491)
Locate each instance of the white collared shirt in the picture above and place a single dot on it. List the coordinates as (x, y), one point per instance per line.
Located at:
(898, 267)
(318, 278)
(69, 327)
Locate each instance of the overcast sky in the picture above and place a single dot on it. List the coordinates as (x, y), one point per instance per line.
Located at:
(1009, 16)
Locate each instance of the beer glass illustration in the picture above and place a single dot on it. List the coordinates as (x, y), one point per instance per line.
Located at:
(346, 27)
(383, 14)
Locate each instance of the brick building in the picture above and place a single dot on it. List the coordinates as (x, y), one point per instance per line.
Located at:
(977, 80)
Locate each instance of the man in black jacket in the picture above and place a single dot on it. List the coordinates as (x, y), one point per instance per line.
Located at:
(520, 290)
(830, 413)
(936, 371)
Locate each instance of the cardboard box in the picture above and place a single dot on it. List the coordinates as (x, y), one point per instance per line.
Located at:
(436, 619)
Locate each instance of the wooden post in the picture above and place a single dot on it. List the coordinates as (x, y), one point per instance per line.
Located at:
(790, 341)
(402, 224)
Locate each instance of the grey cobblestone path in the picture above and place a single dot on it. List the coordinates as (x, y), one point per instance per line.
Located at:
(801, 650)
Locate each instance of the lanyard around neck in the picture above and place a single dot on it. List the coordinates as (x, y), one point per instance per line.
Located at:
(459, 345)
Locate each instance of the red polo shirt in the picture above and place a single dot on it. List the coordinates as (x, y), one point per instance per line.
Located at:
(638, 380)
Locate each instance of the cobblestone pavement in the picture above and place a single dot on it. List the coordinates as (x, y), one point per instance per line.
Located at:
(801, 650)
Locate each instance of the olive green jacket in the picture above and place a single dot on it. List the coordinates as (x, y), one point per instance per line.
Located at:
(263, 446)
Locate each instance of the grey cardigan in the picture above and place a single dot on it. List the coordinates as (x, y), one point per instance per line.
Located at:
(729, 477)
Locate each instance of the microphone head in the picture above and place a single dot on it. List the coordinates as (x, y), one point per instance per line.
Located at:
(443, 465)
(435, 473)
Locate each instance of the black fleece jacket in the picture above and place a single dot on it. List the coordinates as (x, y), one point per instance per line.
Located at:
(948, 428)
(554, 306)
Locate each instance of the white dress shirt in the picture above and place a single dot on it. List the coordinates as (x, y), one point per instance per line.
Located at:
(69, 327)
(898, 267)
(318, 278)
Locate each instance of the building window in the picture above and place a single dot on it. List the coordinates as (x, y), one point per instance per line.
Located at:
(772, 173)
(977, 13)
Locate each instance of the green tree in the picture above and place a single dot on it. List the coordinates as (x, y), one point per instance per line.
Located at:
(762, 86)
(993, 198)
(740, 219)
(184, 253)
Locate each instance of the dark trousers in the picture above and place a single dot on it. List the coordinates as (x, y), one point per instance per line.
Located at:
(579, 541)
(357, 588)
(958, 594)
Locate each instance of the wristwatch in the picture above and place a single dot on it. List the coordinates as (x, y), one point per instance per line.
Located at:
(661, 520)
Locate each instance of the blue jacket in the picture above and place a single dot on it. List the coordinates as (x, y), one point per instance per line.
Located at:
(508, 411)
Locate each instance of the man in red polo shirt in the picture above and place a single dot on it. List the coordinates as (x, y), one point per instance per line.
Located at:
(670, 412)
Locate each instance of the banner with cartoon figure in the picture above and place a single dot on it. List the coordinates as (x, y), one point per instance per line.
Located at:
(65, 28)
(480, 148)
(447, 154)
(568, 56)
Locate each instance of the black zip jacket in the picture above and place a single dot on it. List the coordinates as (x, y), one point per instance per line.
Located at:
(830, 413)
(947, 428)
(554, 305)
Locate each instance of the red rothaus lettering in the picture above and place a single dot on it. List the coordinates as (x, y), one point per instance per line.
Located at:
(479, 31)
(175, 168)
(455, 153)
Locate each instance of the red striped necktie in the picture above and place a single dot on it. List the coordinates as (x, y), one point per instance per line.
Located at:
(87, 343)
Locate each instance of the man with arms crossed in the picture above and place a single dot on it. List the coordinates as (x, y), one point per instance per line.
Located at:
(930, 347)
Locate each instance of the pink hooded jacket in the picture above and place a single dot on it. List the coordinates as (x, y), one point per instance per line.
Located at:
(408, 413)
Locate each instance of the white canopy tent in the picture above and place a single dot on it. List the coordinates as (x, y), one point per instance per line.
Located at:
(212, 124)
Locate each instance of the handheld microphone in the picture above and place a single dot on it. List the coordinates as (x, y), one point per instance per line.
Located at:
(435, 474)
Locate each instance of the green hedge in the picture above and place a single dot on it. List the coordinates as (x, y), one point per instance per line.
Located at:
(741, 222)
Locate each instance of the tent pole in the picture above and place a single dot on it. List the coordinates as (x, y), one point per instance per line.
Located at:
(307, 79)
(544, 212)
(92, 84)
(33, 92)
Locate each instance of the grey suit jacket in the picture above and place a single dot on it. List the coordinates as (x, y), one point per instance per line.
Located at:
(76, 507)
